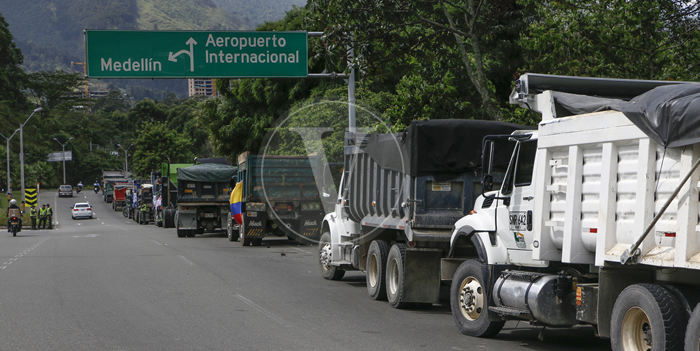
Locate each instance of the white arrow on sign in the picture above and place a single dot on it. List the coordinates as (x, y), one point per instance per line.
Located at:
(191, 43)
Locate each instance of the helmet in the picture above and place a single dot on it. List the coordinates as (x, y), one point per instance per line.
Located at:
(13, 202)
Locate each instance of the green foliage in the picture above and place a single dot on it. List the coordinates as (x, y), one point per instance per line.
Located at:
(155, 144)
(11, 75)
(257, 12)
(642, 39)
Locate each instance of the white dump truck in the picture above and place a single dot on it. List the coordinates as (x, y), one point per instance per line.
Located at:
(398, 199)
(596, 221)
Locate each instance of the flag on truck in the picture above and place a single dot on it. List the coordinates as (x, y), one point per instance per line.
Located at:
(235, 201)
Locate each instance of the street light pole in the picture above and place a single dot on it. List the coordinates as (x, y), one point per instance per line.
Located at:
(64, 156)
(9, 177)
(21, 148)
(126, 159)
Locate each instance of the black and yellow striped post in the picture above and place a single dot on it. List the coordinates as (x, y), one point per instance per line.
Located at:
(30, 197)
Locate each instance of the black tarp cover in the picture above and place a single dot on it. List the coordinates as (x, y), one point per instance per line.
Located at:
(207, 172)
(441, 148)
(669, 115)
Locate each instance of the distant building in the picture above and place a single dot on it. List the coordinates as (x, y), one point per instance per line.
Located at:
(202, 86)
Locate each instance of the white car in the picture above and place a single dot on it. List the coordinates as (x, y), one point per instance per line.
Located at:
(81, 209)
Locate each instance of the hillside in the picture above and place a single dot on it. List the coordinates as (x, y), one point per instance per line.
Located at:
(59, 38)
(258, 12)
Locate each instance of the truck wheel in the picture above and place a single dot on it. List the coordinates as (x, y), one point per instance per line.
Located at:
(376, 269)
(168, 217)
(325, 257)
(692, 333)
(469, 293)
(395, 264)
(232, 233)
(241, 231)
(181, 233)
(191, 233)
(647, 317)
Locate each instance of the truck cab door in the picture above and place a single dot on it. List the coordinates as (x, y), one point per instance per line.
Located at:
(515, 209)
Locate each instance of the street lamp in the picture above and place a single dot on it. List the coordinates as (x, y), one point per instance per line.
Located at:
(126, 160)
(64, 156)
(9, 178)
(21, 148)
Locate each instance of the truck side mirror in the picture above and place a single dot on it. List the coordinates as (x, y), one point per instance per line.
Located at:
(487, 165)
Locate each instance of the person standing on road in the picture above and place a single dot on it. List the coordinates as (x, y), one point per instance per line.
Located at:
(32, 216)
(42, 217)
(49, 215)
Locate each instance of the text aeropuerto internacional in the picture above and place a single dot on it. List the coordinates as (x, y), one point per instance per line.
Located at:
(243, 49)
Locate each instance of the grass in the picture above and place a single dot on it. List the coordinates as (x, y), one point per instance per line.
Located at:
(26, 221)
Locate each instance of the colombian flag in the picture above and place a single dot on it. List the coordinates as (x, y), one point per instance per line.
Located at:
(235, 201)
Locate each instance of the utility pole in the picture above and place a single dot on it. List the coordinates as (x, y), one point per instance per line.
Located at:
(63, 146)
(9, 178)
(21, 148)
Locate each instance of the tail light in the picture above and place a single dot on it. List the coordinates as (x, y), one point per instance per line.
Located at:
(75, 209)
(88, 209)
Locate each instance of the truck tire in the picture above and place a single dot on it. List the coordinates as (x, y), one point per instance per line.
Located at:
(647, 317)
(181, 233)
(376, 269)
(325, 256)
(168, 217)
(469, 296)
(241, 231)
(125, 212)
(232, 233)
(692, 333)
(395, 265)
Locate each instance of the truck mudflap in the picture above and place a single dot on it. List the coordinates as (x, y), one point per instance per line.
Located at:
(422, 275)
(310, 227)
(254, 225)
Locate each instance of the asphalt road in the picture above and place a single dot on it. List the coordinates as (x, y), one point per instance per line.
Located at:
(110, 284)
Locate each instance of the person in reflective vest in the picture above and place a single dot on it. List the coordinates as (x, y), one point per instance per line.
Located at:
(32, 216)
(42, 217)
(49, 215)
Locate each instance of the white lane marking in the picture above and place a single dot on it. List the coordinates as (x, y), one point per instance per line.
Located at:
(156, 242)
(12, 260)
(103, 222)
(262, 310)
(86, 236)
(186, 260)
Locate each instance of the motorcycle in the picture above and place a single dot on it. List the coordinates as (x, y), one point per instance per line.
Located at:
(15, 221)
(97, 188)
(79, 188)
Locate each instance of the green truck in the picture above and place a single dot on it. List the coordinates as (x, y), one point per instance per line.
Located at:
(280, 197)
(203, 193)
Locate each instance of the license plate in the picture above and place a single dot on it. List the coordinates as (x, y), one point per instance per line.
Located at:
(251, 214)
(209, 215)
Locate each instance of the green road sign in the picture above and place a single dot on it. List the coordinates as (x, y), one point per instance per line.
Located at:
(195, 54)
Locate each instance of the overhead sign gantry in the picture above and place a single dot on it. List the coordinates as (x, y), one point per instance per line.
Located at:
(195, 54)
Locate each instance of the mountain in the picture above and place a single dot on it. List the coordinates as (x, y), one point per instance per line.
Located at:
(50, 32)
(258, 12)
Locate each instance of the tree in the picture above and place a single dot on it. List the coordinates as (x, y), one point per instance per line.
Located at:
(156, 144)
(12, 77)
(644, 39)
(476, 33)
(53, 89)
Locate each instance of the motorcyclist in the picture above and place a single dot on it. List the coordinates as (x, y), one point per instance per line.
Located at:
(97, 186)
(80, 185)
(13, 204)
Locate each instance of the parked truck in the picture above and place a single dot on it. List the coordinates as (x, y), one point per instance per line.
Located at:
(144, 197)
(203, 198)
(398, 199)
(109, 178)
(280, 197)
(119, 196)
(597, 219)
